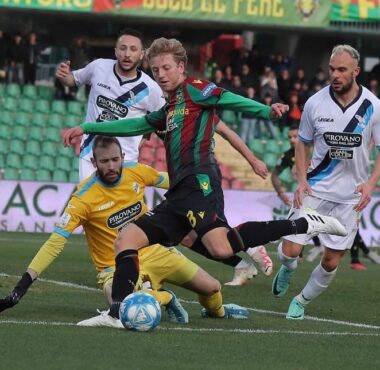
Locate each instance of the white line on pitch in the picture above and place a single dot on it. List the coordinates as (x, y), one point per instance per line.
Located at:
(210, 330)
(257, 310)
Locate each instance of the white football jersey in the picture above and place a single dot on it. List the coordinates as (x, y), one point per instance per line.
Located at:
(112, 98)
(342, 139)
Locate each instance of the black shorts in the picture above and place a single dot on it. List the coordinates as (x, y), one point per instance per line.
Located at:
(197, 202)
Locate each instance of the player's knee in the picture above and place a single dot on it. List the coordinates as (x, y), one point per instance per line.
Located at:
(221, 250)
(330, 263)
(213, 286)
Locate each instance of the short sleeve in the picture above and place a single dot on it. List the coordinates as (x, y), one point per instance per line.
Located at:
(74, 215)
(306, 130)
(84, 75)
(203, 91)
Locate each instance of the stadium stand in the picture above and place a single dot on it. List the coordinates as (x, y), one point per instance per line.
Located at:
(30, 146)
(30, 128)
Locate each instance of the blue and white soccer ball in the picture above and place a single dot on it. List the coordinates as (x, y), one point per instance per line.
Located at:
(140, 311)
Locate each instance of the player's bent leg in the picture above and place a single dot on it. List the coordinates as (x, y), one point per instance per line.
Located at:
(260, 255)
(319, 280)
(173, 307)
(126, 273)
(217, 243)
(132, 237)
(287, 253)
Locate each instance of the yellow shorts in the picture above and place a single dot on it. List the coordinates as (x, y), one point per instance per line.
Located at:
(157, 265)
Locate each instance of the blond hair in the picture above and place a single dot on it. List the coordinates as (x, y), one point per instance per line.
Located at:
(344, 48)
(167, 46)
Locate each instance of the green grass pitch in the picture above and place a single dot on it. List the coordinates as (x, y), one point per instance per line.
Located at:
(341, 331)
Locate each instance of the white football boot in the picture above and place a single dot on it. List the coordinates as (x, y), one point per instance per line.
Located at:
(242, 275)
(103, 319)
(321, 224)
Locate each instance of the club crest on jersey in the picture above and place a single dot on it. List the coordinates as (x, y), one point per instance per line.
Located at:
(136, 187)
(306, 8)
(179, 97)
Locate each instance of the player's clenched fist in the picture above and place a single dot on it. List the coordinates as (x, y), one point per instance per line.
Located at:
(70, 135)
(63, 69)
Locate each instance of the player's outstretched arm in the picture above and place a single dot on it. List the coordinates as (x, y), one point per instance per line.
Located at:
(70, 135)
(47, 253)
(17, 293)
(258, 166)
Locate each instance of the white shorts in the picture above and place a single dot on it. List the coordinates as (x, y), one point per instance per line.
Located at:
(86, 169)
(345, 213)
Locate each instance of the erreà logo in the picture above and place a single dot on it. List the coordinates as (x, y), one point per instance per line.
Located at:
(124, 215)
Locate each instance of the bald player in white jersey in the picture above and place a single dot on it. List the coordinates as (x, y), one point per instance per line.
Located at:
(340, 121)
(118, 90)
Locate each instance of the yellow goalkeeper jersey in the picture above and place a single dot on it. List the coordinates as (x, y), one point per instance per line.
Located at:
(103, 210)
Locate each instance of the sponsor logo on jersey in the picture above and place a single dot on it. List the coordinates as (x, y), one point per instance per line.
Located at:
(325, 119)
(107, 116)
(338, 153)
(124, 215)
(106, 205)
(104, 85)
(207, 91)
(178, 111)
(112, 106)
(343, 139)
(65, 218)
(170, 125)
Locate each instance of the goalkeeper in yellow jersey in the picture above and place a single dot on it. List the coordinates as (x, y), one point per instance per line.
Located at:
(105, 203)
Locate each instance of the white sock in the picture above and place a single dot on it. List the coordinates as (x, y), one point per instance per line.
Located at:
(243, 264)
(250, 251)
(289, 262)
(319, 280)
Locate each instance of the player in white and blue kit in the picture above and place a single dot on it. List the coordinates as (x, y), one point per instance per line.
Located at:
(340, 121)
(118, 90)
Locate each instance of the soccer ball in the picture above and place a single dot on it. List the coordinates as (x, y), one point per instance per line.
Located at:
(140, 311)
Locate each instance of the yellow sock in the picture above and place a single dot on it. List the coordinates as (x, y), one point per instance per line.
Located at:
(213, 304)
(162, 296)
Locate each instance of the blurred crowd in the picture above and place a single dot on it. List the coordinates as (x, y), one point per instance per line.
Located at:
(271, 79)
(265, 78)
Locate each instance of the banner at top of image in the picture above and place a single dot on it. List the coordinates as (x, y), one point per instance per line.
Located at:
(295, 13)
(355, 10)
(61, 5)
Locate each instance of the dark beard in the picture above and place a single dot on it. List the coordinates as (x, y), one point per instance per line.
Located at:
(345, 89)
(100, 175)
